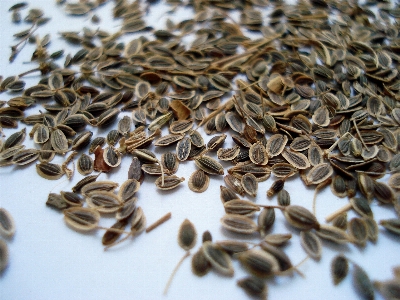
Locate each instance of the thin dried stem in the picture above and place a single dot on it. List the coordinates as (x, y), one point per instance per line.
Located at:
(159, 222)
(333, 215)
(187, 254)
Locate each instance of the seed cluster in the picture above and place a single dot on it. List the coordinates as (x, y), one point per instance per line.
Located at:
(315, 98)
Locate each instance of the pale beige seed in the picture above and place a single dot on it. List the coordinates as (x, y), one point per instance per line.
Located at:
(258, 154)
(59, 141)
(250, 184)
(241, 207)
(315, 154)
(300, 217)
(311, 244)
(265, 220)
(182, 126)
(298, 160)
(259, 263)
(235, 122)
(168, 139)
(124, 125)
(209, 165)
(218, 258)
(103, 202)
(82, 218)
(339, 268)
(50, 171)
(153, 169)
(128, 189)
(183, 149)
(42, 134)
(321, 116)
(276, 144)
(187, 235)
(170, 182)
(300, 143)
(85, 164)
(7, 224)
(81, 140)
(71, 198)
(239, 224)
(15, 139)
(332, 234)
(25, 157)
(126, 209)
(277, 240)
(283, 170)
(10, 152)
(261, 172)
(112, 157)
(228, 154)
(319, 173)
(105, 186)
(4, 256)
(198, 181)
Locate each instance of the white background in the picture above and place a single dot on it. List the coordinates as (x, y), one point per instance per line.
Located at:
(48, 260)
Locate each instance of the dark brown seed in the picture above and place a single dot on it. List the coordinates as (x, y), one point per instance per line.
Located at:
(362, 283)
(254, 286)
(187, 235)
(200, 264)
(339, 268)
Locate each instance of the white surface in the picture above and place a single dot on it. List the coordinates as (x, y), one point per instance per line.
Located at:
(48, 260)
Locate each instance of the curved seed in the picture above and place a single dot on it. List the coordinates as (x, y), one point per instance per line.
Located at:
(218, 258)
(7, 224)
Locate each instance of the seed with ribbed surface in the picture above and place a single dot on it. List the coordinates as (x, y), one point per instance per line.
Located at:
(7, 224)
(82, 218)
(300, 217)
(209, 165)
(198, 181)
(259, 263)
(239, 224)
(218, 258)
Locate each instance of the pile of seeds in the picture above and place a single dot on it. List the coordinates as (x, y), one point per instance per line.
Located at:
(315, 97)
